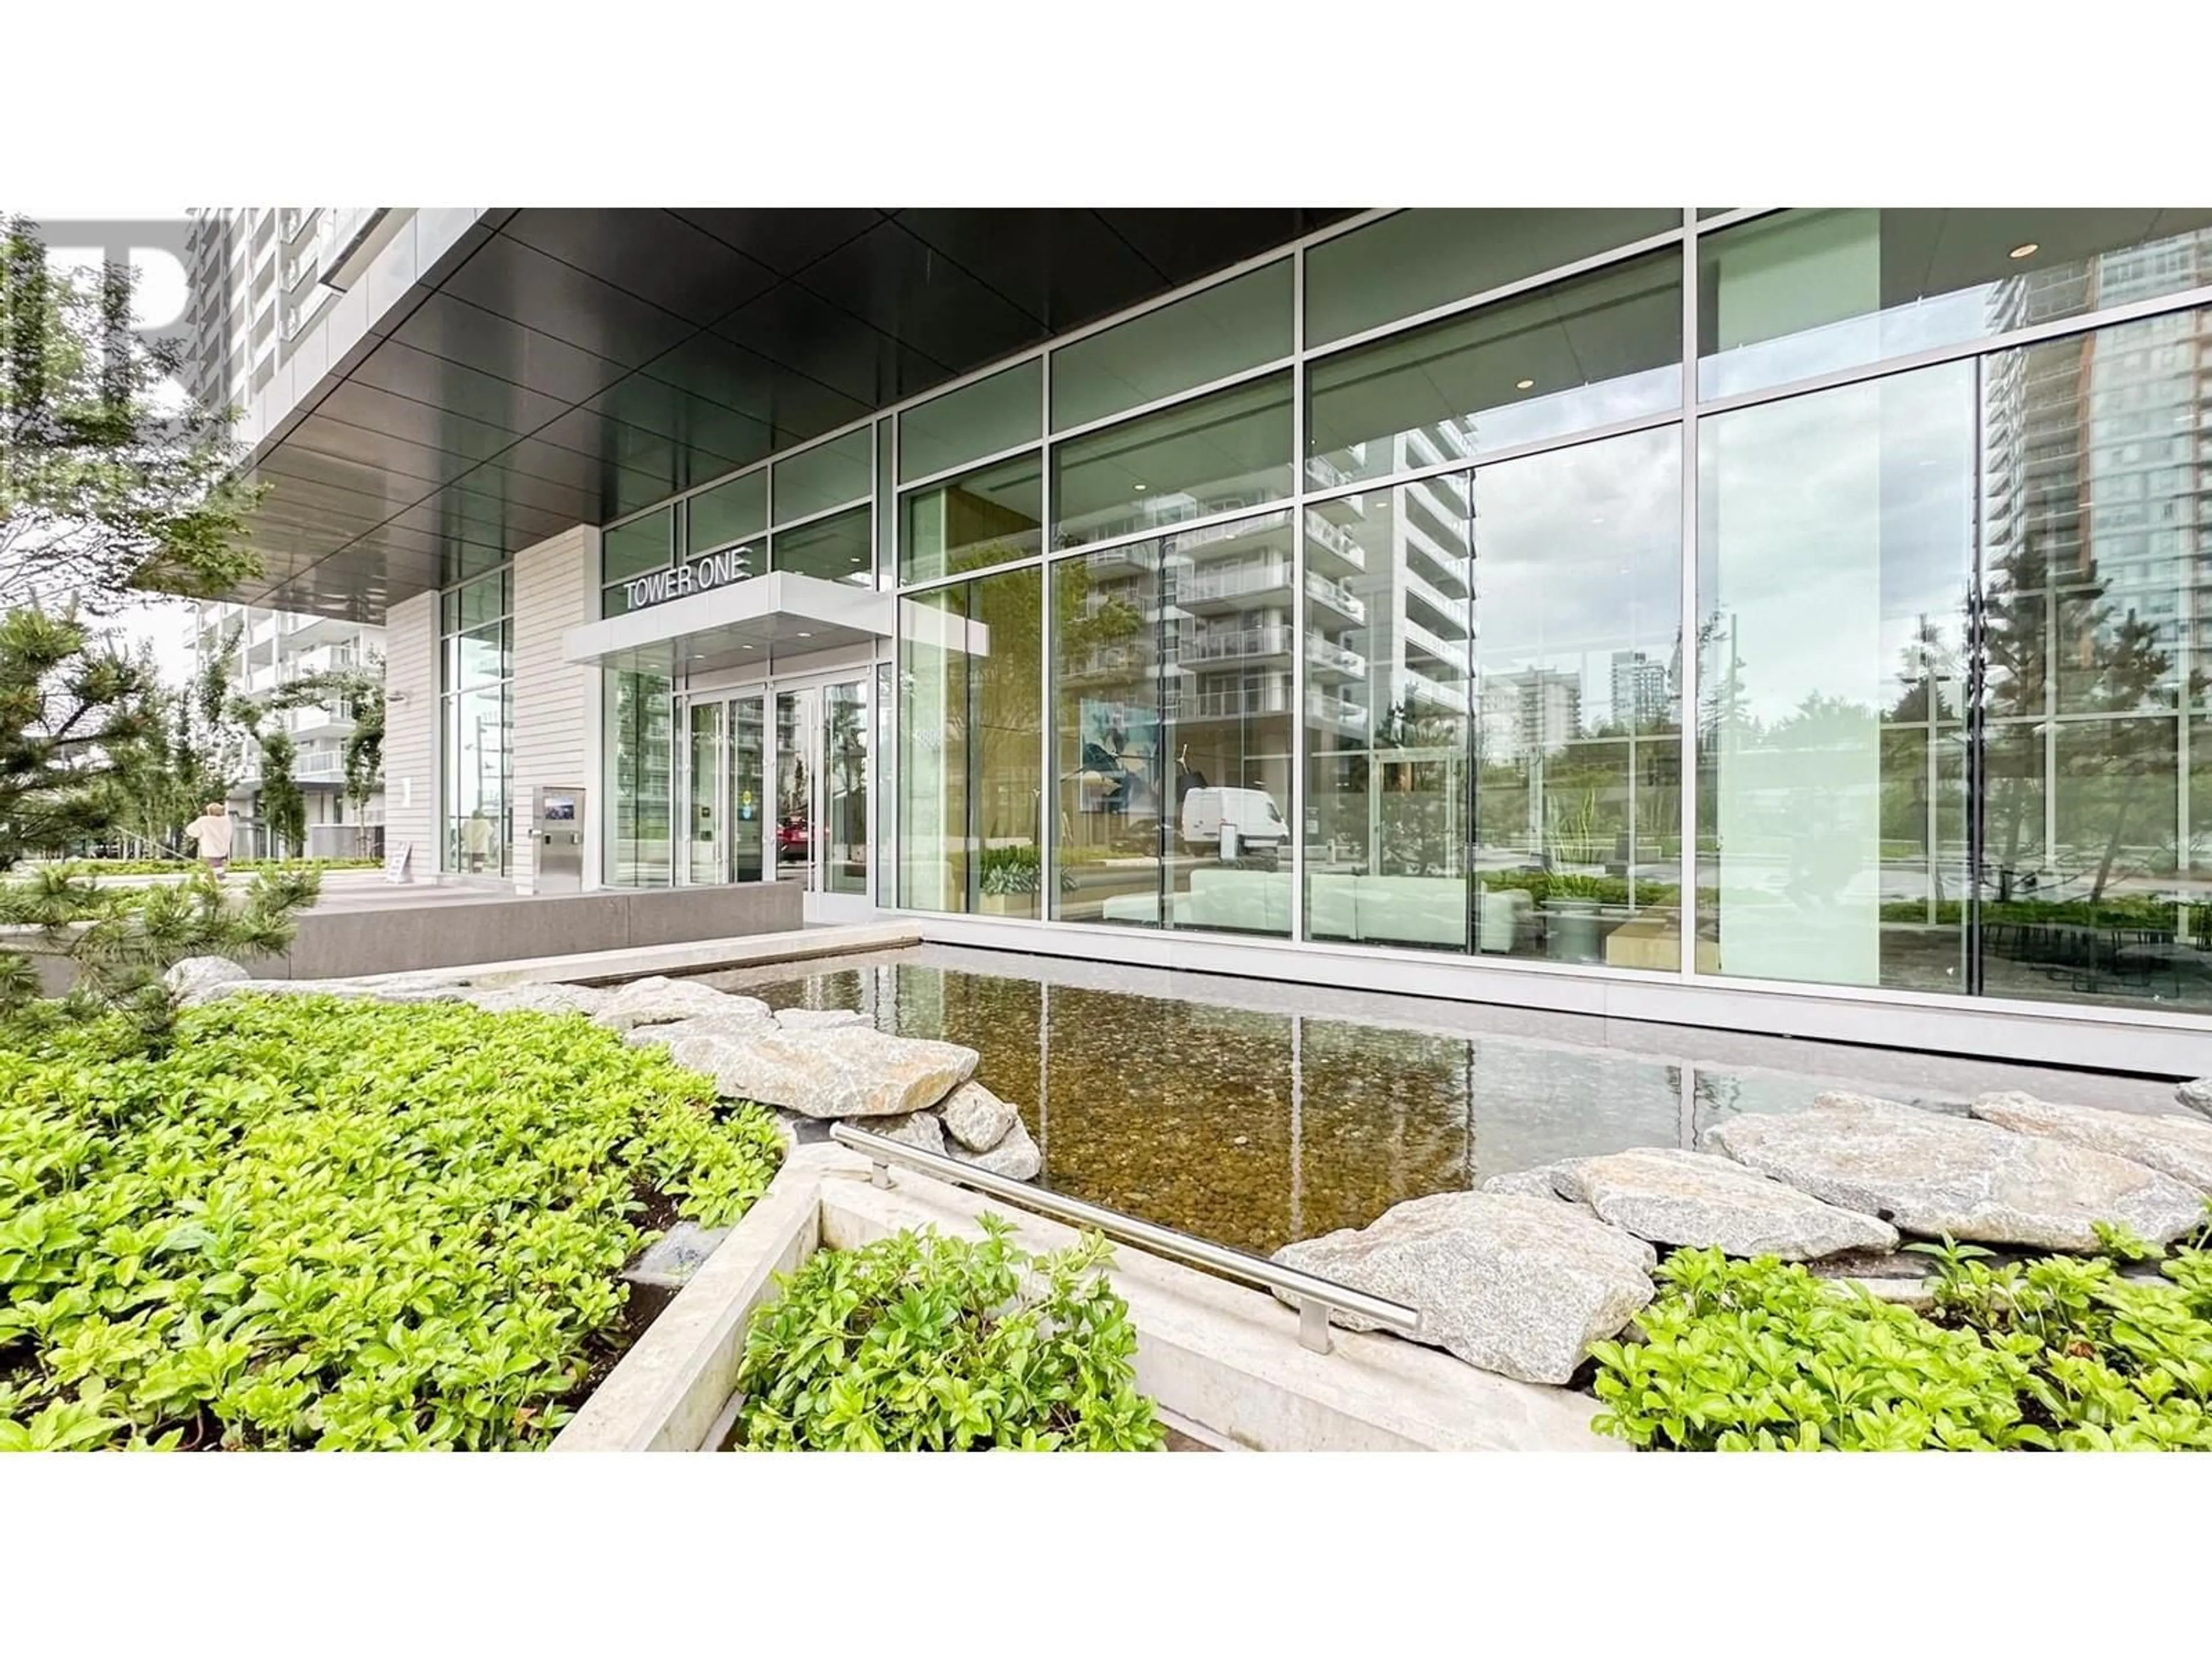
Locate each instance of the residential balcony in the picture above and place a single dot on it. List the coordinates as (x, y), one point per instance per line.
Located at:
(1336, 596)
(1211, 584)
(1449, 607)
(1231, 703)
(301, 631)
(1259, 644)
(1159, 516)
(1430, 694)
(1332, 710)
(1419, 636)
(1330, 539)
(1448, 564)
(1330, 657)
(1326, 474)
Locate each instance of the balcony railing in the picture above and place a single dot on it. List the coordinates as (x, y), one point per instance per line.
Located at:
(1233, 702)
(1320, 532)
(1336, 596)
(1329, 655)
(1335, 710)
(1229, 581)
(1237, 644)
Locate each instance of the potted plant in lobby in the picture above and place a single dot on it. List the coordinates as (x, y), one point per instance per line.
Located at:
(1012, 879)
(1572, 929)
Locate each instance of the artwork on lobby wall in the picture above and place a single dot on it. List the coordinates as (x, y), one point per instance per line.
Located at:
(1119, 764)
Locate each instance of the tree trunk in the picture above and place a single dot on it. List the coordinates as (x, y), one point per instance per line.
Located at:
(2113, 841)
(2111, 846)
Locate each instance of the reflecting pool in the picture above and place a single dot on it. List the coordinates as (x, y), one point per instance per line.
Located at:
(1255, 1113)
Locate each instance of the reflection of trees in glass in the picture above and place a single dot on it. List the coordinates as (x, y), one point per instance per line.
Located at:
(993, 713)
(1414, 770)
(642, 740)
(2108, 662)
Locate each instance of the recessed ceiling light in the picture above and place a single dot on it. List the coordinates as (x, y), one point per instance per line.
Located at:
(803, 635)
(1136, 486)
(1523, 385)
(2025, 249)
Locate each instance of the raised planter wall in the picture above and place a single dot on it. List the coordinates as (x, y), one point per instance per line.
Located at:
(340, 944)
(1222, 1357)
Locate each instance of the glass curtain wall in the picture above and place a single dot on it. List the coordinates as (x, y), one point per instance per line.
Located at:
(1420, 552)
(477, 664)
(640, 742)
(1496, 765)
(2096, 455)
(1174, 689)
(970, 790)
(1836, 553)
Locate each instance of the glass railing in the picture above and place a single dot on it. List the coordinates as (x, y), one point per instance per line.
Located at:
(1229, 581)
(1336, 596)
(1329, 655)
(1274, 641)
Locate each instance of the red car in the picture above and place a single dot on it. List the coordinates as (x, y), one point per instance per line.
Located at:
(791, 839)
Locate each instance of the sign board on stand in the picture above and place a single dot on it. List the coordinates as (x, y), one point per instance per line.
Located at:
(395, 861)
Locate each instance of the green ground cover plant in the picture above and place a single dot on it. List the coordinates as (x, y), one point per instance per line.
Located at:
(919, 1342)
(311, 1222)
(2062, 1353)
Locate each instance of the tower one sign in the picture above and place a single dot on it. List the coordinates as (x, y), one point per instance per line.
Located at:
(731, 564)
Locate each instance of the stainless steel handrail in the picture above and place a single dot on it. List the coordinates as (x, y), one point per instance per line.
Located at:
(1312, 1295)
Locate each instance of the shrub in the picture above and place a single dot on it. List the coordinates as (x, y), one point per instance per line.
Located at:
(2061, 1354)
(1008, 870)
(924, 1343)
(193, 867)
(123, 939)
(331, 1223)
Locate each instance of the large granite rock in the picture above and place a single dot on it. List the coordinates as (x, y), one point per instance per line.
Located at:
(860, 1073)
(1525, 1183)
(1517, 1285)
(193, 977)
(2197, 1096)
(1016, 1157)
(1670, 1196)
(976, 1118)
(921, 1129)
(1932, 1174)
(539, 999)
(818, 1019)
(2176, 1146)
(657, 1000)
(390, 987)
(738, 1023)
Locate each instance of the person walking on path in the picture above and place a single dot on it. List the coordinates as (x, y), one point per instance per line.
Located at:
(210, 833)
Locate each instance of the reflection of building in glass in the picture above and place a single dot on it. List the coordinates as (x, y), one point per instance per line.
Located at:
(1641, 699)
(2093, 452)
(1529, 713)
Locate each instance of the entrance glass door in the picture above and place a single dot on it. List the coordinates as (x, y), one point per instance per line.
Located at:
(845, 784)
(748, 814)
(797, 769)
(782, 801)
(703, 838)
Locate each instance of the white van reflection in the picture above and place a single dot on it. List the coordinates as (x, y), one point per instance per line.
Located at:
(1233, 823)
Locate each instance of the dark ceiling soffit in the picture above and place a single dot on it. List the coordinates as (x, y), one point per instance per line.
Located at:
(790, 244)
